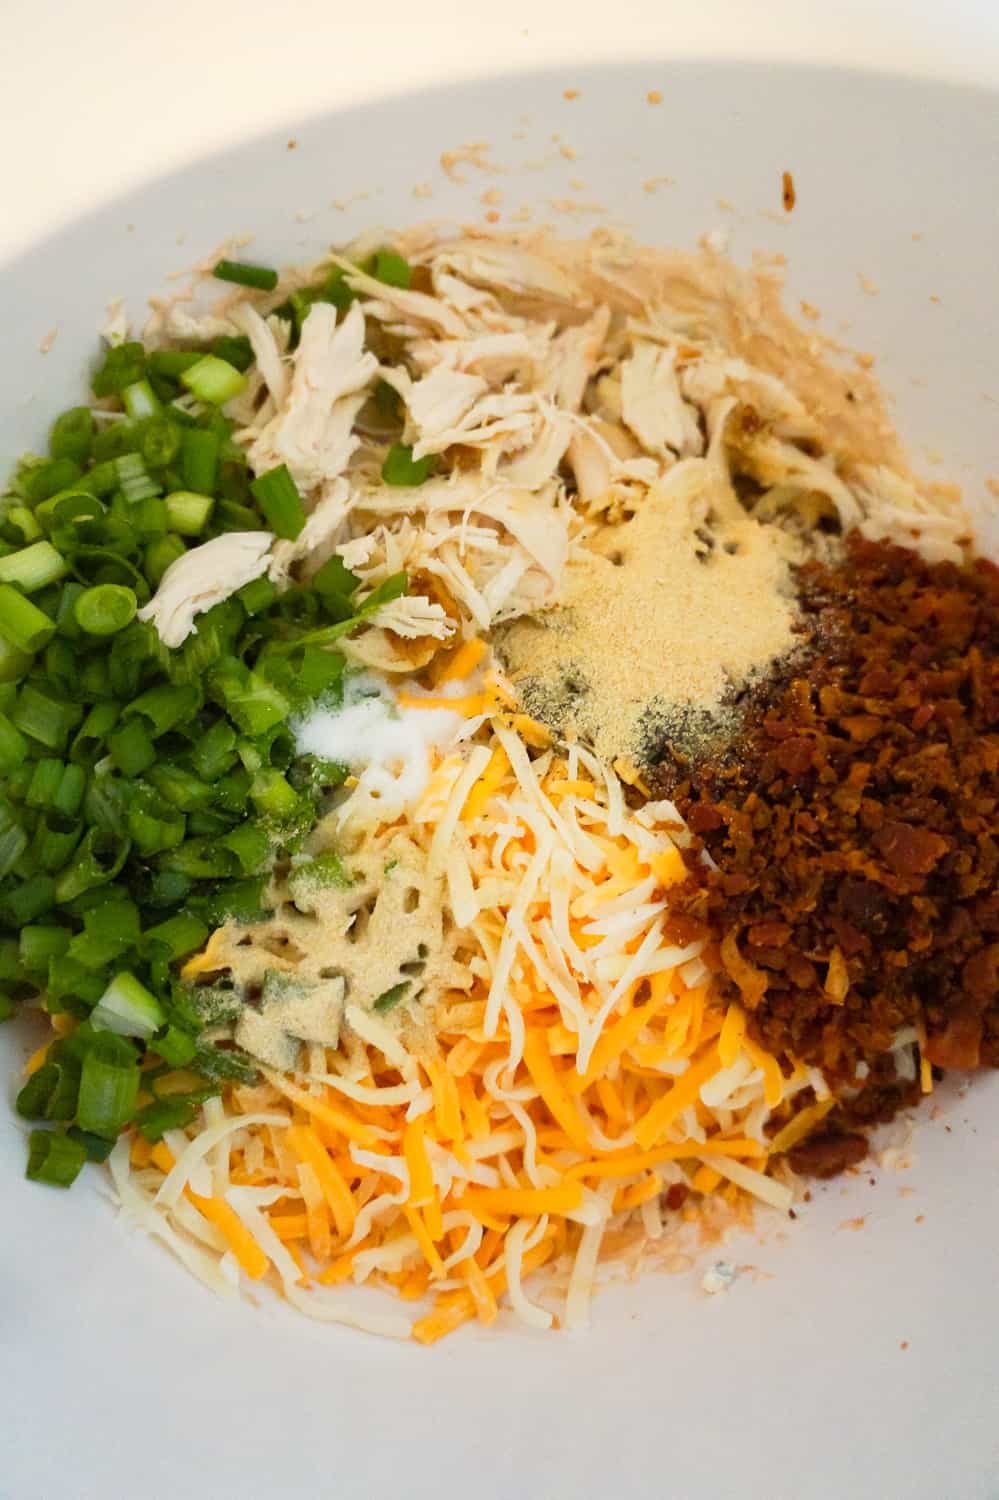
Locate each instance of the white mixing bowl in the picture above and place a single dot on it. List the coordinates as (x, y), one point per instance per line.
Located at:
(853, 1364)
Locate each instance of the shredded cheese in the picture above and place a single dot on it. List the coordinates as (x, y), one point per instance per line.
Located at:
(577, 1059)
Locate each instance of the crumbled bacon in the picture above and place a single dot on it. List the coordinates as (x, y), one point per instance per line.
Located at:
(855, 830)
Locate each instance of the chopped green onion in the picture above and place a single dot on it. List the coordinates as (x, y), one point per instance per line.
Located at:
(19, 526)
(55, 839)
(401, 468)
(201, 858)
(277, 495)
(45, 781)
(187, 513)
(63, 669)
(109, 931)
(105, 609)
(274, 797)
(110, 442)
(34, 567)
(50, 1093)
(390, 998)
(128, 1009)
(250, 700)
(160, 555)
(124, 364)
(149, 518)
(14, 663)
(180, 788)
(140, 401)
(100, 857)
(104, 801)
(72, 435)
(68, 980)
(221, 1063)
(173, 1113)
(13, 843)
(213, 380)
(318, 672)
(42, 717)
(49, 478)
(165, 706)
(33, 898)
(134, 479)
(161, 442)
(69, 793)
(199, 457)
(97, 1149)
(13, 746)
(167, 887)
(22, 624)
(392, 269)
(215, 751)
(54, 1159)
(132, 748)
(39, 944)
(172, 363)
(392, 588)
(175, 1046)
(109, 1087)
(232, 516)
(325, 870)
(337, 584)
(257, 596)
(251, 845)
(235, 349)
(261, 278)
(10, 959)
(180, 935)
(90, 742)
(334, 289)
(154, 828)
(240, 900)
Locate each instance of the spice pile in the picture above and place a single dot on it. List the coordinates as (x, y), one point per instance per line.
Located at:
(854, 833)
(620, 661)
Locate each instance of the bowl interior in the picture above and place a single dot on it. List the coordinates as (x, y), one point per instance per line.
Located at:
(841, 1361)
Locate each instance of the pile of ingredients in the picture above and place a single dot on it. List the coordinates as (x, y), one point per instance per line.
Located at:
(499, 767)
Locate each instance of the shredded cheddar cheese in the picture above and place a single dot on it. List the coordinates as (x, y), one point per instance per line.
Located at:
(578, 1063)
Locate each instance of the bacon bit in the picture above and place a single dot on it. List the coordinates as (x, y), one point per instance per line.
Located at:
(858, 809)
(908, 850)
(828, 1155)
(769, 934)
(959, 1045)
(789, 195)
(980, 975)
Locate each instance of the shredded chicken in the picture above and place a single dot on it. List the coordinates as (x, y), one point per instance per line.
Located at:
(552, 383)
(203, 577)
(312, 430)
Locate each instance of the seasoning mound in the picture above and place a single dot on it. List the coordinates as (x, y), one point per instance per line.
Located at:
(663, 617)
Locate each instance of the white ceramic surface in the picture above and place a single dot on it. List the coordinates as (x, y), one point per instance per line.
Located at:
(122, 1375)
